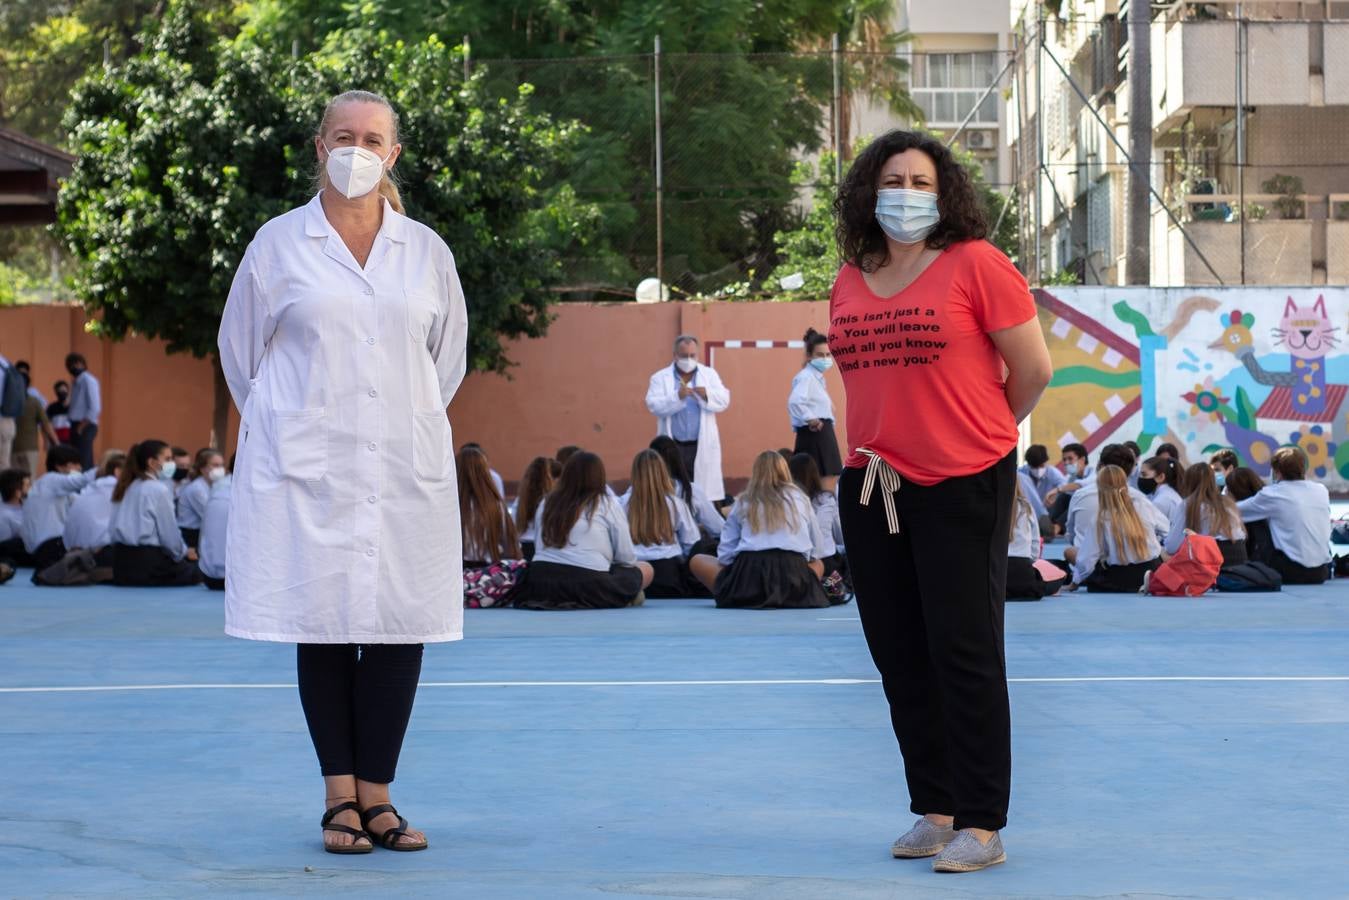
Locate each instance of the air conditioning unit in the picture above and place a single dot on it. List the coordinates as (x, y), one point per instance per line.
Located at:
(977, 140)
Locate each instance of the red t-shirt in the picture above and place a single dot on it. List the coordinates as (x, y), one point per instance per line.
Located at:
(924, 382)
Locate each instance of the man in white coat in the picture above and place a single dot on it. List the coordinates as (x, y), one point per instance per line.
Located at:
(685, 398)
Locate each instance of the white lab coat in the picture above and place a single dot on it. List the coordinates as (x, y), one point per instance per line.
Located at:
(344, 513)
(662, 399)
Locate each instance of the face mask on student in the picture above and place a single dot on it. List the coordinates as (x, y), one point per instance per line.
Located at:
(906, 216)
(1147, 485)
(1039, 471)
(170, 469)
(354, 171)
(823, 363)
(686, 365)
(215, 474)
(1071, 469)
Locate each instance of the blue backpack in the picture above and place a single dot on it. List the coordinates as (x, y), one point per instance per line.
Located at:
(1249, 577)
(14, 392)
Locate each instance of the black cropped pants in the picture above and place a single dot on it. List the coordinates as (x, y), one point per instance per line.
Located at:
(357, 700)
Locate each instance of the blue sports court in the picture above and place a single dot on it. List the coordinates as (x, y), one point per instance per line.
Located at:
(1163, 747)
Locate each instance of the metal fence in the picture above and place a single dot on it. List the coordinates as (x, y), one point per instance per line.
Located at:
(697, 160)
(1249, 166)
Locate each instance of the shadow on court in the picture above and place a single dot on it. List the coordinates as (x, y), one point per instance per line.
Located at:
(1186, 748)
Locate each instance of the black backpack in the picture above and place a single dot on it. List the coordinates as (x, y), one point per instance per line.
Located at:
(12, 398)
(1248, 578)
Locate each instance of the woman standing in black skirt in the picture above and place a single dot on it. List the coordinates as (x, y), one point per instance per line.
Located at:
(812, 410)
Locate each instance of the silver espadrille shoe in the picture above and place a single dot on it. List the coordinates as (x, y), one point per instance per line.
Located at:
(923, 839)
(966, 853)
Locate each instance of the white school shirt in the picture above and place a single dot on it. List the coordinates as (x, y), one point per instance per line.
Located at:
(826, 513)
(1298, 513)
(1084, 499)
(86, 399)
(1089, 551)
(686, 531)
(1025, 543)
(704, 512)
(809, 398)
(192, 502)
(44, 512)
(344, 518)
(144, 518)
(214, 525)
(596, 542)
(1167, 500)
(88, 517)
(805, 538)
(1177, 534)
(1032, 494)
(11, 521)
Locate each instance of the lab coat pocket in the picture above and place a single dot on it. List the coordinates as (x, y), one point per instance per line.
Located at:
(420, 309)
(302, 443)
(431, 446)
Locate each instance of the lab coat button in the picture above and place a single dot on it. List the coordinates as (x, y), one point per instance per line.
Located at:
(369, 340)
(374, 393)
(372, 498)
(372, 446)
(370, 552)
(369, 292)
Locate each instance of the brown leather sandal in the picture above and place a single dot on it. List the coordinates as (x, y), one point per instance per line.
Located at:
(356, 833)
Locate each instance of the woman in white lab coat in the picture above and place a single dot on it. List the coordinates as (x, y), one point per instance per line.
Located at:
(685, 398)
(343, 342)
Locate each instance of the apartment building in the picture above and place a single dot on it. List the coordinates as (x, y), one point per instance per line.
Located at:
(960, 47)
(1250, 103)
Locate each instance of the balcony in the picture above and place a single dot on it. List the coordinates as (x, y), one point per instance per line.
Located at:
(1194, 65)
(1277, 250)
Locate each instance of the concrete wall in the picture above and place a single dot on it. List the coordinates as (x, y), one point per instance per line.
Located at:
(585, 383)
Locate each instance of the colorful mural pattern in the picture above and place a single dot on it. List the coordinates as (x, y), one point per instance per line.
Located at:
(1251, 369)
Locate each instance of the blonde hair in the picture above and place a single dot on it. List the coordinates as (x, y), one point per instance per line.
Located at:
(388, 189)
(1020, 506)
(1117, 506)
(767, 502)
(649, 516)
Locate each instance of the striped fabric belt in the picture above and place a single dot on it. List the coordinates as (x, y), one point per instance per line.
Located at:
(880, 470)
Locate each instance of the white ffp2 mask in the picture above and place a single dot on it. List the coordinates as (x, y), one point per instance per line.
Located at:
(354, 171)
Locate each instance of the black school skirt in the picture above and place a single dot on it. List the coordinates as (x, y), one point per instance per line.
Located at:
(150, 567)
(1126, 579)
(1024, 581)
(822, 446)
(672, 580)
(548, 585)
(769, 579)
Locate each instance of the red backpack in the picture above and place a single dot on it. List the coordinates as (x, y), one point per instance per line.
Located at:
(1191, 572)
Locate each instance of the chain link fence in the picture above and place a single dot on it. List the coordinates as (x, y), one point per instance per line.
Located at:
(1249, 164)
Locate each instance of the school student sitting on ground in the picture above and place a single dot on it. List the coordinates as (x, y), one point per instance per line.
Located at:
(1083, 505)
(661, 525)
(214, 527)
(50, 498)
(806, 475)
(539, 478)
(207, 466)
(1121, 542)
(1242, 484)
(1224, 463)
(1207, 510)
(491, 551)
(88, 518)
(1161, 480)
(147, 546)
(772, 547)
(1298, 512)
(705, 513)
(1043, 477)
(1025, 579)
(1077, 474)
(14, 487)
(585, 558)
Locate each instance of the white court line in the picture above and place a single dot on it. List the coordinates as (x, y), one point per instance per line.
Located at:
(1074, 679)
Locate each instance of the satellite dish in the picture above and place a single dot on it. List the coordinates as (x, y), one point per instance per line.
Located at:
(651, 290)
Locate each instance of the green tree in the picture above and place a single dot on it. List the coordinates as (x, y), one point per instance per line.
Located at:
(195, 142)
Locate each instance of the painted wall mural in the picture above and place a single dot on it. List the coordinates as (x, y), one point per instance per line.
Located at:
(1251, 369)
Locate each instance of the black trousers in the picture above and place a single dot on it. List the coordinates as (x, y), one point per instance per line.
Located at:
(357, 700)
(84, 442)
(13, 552)
(931, 602)
(151, 567)
(48, 553)
(689, 451)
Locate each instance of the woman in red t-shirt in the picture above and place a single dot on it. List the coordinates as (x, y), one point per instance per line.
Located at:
(935, 335)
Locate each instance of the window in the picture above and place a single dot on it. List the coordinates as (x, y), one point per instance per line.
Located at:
(947, 85)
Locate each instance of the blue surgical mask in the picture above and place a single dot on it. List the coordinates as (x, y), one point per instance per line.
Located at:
(822, 363)
(906, 216)
(1221, 478)
(1071, 470)
(166, 473)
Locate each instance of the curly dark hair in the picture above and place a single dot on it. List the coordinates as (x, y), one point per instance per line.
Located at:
(860, 239)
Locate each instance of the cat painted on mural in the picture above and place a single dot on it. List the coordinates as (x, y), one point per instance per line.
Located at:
(1308, 335)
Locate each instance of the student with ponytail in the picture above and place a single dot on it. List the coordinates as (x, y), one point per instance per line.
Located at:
(147, 546)
(812, 410)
